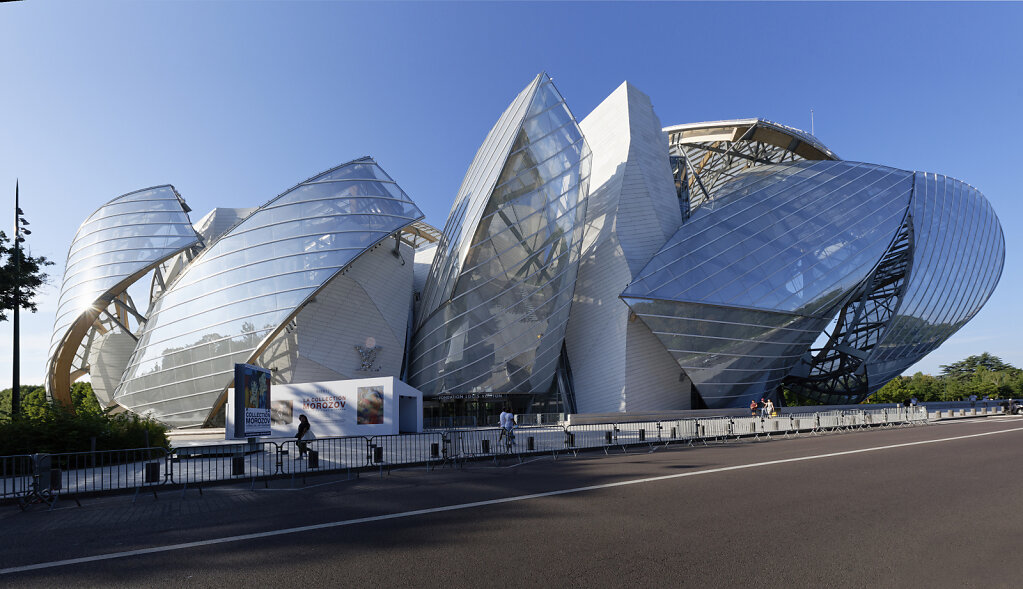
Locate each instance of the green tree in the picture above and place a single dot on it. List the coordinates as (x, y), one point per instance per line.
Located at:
(21, 284)
(894, 391)
(35, 405)
(926, 388)
(48, 427)
(83, 399)
(966, 368)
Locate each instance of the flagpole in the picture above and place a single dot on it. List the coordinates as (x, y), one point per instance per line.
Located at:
(16, 385)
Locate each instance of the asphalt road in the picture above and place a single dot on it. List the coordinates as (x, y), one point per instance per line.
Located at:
(928, 506)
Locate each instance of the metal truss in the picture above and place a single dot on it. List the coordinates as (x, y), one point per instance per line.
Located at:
(116, 316)
(837, 373)
(705, 156)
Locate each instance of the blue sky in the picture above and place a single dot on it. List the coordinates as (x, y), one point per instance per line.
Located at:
(234, 102)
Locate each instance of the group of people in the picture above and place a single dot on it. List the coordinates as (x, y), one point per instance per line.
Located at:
(766, 408)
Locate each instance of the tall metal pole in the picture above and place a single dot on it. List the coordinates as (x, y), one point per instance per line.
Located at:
(16, 377)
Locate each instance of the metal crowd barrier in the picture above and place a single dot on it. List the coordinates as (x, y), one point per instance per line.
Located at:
(45, 477)
(15, 475)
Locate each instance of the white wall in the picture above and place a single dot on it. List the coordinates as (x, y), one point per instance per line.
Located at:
(370, 302)
(333, 408)
(632, 210)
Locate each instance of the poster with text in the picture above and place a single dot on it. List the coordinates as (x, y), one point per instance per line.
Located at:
(252, 401)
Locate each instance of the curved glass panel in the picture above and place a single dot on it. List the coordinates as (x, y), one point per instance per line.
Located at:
(121, 241)
(957, 262)
(499, 290)
(472, 196)
(784, 238)
(748, 283)
(237, 292)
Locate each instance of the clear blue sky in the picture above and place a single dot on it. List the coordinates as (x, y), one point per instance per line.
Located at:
(233, 103)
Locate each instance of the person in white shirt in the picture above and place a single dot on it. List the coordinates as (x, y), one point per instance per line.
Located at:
(507, 421)
(769, 408)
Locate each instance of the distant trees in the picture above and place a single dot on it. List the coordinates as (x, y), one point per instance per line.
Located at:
(965, 369)
(983, 375)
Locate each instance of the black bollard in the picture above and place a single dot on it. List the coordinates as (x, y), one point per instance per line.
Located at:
(152, 472)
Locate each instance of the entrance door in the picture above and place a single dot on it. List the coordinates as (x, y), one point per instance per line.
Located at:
(408, 421)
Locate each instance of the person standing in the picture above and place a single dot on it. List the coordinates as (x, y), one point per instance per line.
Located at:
(507, 421)
(753, 407)
(303, 432)
(769, 408)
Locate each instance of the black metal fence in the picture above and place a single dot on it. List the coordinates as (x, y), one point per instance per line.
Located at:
(42, 478)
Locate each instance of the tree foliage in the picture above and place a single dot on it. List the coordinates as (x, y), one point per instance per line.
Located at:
(46, 427)
(967, 368)
(984, 375)
(19, 281)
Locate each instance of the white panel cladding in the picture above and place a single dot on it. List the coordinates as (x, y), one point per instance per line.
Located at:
(307, 370)
(421, 269)
(219, 220)
(108, 357)
(653, 379)
(596, 334)
(648, 209)
(369, 300)
(631, 211)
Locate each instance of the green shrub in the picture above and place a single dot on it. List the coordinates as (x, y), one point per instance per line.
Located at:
(51, 429)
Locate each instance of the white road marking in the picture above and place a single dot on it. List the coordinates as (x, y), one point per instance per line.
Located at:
(416, 512)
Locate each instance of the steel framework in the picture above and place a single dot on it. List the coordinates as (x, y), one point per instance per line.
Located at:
(705, 156)
(837, 372)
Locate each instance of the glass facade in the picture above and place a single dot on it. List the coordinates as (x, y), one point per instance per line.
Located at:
(467, 209)
(241, 290)
(118, 244)
(959, 250)
(752, 278)
(500, 287)
(733, 246)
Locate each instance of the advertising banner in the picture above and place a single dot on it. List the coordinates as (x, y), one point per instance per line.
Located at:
(251, 401)
(360, 407)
